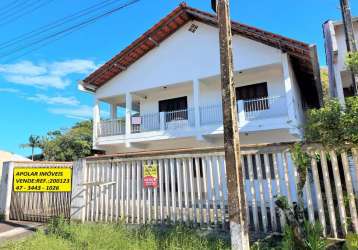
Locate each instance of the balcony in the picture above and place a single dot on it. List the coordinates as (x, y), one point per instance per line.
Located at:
(249, 112)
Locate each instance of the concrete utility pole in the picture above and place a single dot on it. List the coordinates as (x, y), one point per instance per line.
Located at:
(350, 39)
(236, 200)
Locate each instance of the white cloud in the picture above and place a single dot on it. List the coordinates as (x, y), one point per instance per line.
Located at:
(80, 112)
(23, 68)
(77, 66)
(55, 100)
(42, 81)
(9, 90)
(45, 75)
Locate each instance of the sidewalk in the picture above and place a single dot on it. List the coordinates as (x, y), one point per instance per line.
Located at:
(10, 230)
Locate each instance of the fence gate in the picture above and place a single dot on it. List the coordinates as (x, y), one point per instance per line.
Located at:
(39, 206)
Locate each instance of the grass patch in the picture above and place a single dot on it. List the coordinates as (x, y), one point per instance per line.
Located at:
(62, 235)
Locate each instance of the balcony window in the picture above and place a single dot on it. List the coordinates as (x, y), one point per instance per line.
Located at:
(176, 108)
(254, 96)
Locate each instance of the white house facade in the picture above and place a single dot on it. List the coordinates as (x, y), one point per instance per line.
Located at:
(164, 89)
(340, 78)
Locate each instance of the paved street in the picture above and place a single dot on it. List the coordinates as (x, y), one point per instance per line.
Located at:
(10, 230)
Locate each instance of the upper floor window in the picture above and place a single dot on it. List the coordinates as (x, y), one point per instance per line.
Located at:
(254, 96)
(176, 108)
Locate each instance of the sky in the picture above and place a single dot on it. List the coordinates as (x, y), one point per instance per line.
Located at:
(38, 89)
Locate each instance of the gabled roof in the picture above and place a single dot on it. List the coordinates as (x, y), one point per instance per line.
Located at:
(300, 53)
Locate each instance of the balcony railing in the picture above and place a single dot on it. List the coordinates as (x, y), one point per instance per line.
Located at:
(261, 108)
(249, 110)
(179, 119)
(145, 123)
(112, 127)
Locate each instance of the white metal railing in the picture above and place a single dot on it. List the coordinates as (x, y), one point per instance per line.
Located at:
(111, 127)
(267, 107)
(144, 123)
(163, 121)
(260, 108)
(179, 119)
(211, 114)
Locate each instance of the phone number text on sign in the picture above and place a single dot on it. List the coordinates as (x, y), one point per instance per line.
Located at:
(42, 179)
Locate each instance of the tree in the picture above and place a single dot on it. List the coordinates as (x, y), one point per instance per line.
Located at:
(352, 62)
(68, 145)
(332, 125)
(34, 142)
(325, 83)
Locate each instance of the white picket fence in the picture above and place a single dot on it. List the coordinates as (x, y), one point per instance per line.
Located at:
(192, 188)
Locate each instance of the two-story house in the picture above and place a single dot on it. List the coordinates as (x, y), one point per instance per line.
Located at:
(340, 78)
(164, 89)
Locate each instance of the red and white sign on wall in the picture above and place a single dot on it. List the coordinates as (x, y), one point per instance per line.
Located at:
(150, 177)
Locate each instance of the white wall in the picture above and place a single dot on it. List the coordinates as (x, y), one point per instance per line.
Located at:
(210, 89)
(341, 44)
(151, 104)
(297, 99)
(185, 56)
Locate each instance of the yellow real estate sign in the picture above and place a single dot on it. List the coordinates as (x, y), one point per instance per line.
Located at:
(28, 179)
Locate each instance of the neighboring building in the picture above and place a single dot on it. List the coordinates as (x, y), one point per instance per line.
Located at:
(7, 156)
(167, 85)
(340, 79)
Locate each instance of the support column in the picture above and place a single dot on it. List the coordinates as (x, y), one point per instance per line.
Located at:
(196, 101)
(96, 121)
(114, 111)
(241, 112)
(128, 113)
(291, 108)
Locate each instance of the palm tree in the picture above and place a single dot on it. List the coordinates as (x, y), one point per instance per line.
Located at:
(34, 142)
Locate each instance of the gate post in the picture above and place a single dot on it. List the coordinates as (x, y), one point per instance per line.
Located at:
(85, 187)
(78, 196)
(6, 189)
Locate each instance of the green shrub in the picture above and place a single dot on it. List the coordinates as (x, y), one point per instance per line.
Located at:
(351, 242)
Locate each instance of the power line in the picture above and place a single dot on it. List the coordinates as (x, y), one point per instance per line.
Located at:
(67, 30)
(19, 5)
(24, 13)
(55, 24)
(44, 44)
(9, 5)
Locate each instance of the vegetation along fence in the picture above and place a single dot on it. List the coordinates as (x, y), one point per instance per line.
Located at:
(191, 188)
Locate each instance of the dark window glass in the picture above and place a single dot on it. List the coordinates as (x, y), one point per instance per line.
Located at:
(178, 108)
(252, 92)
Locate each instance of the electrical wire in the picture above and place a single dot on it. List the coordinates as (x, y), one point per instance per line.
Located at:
(55, 24)
(68, 30)
(19, 6)
(24, 12)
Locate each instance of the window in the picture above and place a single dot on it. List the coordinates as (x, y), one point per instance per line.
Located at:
(250, 94)
(176, 108)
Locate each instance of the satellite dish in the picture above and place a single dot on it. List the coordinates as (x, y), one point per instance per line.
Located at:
(213, 5)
